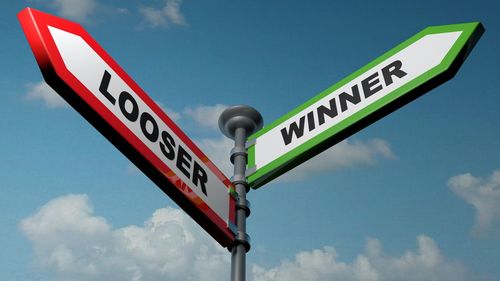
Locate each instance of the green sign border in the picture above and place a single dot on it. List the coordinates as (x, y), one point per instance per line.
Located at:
(471, 32)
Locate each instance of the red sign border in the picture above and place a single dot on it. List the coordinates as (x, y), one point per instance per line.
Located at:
(35, 25)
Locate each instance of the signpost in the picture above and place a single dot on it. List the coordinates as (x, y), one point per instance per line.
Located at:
(411, 69)
(74, 65)
(77, 68)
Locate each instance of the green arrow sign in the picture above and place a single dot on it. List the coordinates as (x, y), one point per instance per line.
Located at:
(404, 73)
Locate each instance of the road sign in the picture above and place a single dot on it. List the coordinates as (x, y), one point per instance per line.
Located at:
(77, 68)
(416, 66)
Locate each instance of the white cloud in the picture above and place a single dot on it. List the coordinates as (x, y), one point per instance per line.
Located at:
(426, 263)
(83, 11)
(42, 91)
(75, 9)
(74, 244)
(345, 154)
(169, 14)
(484, 195)
(206, 116)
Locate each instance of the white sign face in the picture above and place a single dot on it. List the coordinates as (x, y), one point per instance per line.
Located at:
(77, 68)
(392, 73)
(89, 69)
(358, 99)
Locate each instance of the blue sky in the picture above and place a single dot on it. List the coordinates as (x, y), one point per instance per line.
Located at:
(415, 196)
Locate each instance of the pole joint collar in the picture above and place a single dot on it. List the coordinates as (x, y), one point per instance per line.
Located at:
(238, 151)
(243, 204)
(240, 179)
(242, 239)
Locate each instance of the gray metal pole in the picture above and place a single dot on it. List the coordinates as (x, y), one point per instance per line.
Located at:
(237, 123)
(239, 250)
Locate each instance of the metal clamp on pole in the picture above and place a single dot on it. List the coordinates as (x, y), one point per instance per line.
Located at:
(244, 205)
(238, 122)
(240, 180)
(243, 239)
(238, 151)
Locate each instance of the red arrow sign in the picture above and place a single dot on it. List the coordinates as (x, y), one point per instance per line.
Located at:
(77, 68)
